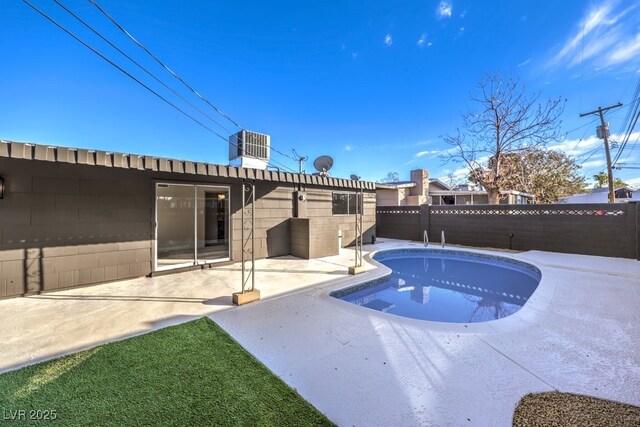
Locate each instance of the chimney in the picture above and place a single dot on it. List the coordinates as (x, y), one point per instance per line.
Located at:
(421, 178)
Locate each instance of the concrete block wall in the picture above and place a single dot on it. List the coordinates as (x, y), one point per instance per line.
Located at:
(319, 206)
(313, 237)
(299, 231)
(589, 229)
(67, 224)
(399, 222)
(63, 226)
(275, 205)
(273, 208)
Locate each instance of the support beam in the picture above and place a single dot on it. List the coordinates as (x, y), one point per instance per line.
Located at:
(358, 267)
(247, 234)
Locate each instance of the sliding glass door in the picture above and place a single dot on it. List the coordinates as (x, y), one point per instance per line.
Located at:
(213, 223)
(192, 225)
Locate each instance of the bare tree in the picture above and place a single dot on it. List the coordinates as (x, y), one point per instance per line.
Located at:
(505, 121)
(391, 177)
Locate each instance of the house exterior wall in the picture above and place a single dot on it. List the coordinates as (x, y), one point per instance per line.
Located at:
(64, 225)
(387, 197)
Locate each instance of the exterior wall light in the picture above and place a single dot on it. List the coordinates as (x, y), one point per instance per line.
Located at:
(1, 187)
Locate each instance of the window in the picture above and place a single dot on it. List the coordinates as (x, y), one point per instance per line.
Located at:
(463, 199)
(448, 200)
(345, 203)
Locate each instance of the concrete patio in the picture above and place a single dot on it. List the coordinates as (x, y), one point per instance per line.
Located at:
(578, 333)
(45, 326)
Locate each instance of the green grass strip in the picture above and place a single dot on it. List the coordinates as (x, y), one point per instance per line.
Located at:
(190, 374)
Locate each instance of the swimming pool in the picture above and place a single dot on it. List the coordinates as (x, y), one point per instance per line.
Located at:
(446, 286)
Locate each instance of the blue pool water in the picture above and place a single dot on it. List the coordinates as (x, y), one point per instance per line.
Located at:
(446, 286)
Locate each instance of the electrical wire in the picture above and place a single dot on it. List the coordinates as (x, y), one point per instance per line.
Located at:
(632, 148)
(582, 126)
(590, 154)
(629, 122)
(120, 68)
(91, 48)
(627, 136)
(138, 64)
(583, 134)
(180, 79)
(159, 61)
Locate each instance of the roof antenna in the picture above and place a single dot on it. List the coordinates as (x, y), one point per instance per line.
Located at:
(300, 159)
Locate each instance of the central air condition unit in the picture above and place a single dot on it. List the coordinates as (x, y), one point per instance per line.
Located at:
(249, 150)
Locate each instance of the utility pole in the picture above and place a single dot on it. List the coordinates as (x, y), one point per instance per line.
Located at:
(605, 135)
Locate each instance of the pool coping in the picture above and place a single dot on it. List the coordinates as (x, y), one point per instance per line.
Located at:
(530, 313)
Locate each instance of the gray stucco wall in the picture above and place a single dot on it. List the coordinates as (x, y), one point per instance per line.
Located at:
(65, 225)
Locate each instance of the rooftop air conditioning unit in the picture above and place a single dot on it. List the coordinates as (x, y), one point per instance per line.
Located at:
(249, 150)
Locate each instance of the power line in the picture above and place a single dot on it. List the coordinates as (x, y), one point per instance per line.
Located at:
(166, 67)
(583, 134)
(631, 106)
(580, 127)
(132, 77)
(632, 148)
(159, 61)
(120, 68)
(591, 153)
(630, 120)
(138, 64)
(627, 136)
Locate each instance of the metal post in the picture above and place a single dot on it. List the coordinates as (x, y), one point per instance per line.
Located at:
(242, 253)
(359, 213)
(247, 235)
(357, 268)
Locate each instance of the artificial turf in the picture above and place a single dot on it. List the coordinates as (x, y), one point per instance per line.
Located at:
(190, 374)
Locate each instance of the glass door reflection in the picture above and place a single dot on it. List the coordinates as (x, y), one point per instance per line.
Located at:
(213, 224)
(175, 216)
(192, 224)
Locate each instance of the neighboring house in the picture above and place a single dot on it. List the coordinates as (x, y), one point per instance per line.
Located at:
(601, 195)
(421, 190)
(404, 193)
(72, 217)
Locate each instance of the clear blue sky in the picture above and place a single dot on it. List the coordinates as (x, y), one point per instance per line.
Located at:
(374, 84)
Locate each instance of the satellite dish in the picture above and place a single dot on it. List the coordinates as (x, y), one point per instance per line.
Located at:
(355, 177)
(323, 164)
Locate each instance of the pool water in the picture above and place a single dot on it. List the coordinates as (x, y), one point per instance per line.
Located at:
(446, 286)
